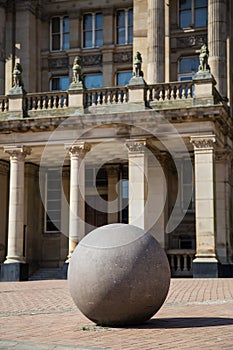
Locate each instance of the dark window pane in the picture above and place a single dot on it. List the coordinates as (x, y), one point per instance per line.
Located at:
(56, 25)
(185, 18)
(66, 41)
(123, 78)
(50, 226)
(185, 4)
(93, 81)
(66, 25)
(130, 35)
(99, 38)
(55, 84)
(201, 3)
(87, 22)
(188, 64)
(121, 36)
(56, 42)
(99, 21)
(121, 18)
(87, 39)
(130, 17)
(200, 17)
(64, 83)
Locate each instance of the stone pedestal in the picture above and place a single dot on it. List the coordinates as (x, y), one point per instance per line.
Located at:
(76, 95)
(136, 89)
(205, 263)
(14, 272)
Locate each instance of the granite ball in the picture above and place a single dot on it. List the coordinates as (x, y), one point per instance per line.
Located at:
(118, 275)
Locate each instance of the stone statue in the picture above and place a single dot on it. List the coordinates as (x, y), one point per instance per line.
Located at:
(138, 65)
(77, 70)
(17, 76)
(204, 54)
(77, 75)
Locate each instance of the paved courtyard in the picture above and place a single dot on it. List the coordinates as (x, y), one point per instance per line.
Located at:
(40, 315)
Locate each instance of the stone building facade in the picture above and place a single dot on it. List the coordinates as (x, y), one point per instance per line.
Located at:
(116, 111)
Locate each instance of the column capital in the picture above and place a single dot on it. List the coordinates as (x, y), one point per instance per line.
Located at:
(17, 152)
(203, 142)
(78, 149)
(136, 146)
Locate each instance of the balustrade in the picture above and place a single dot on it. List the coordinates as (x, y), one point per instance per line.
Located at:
(105, 96)
(4, 104)
(46, 100)
(180, 261)
(170, 91)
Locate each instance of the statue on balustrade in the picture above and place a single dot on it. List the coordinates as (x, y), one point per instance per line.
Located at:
(77, 74)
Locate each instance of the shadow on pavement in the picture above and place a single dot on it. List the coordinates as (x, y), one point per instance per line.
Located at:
(186, 322)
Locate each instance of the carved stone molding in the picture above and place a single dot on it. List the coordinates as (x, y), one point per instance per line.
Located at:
(136, 146)
(203, 142)
(123, 57)
(223, 155)
(192, 40)
(92, 60)
(78, 149)
(17, 152)
(58, 63)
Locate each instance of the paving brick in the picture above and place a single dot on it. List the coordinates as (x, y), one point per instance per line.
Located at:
(41, 315)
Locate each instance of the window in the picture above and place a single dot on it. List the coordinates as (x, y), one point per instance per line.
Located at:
(123, 78)
(187, 182)
(53, 201)
(59, 83)
(93, 80)
(188, 66)
(92, 30)
(193, 13)
(124, 26)
(60, 33)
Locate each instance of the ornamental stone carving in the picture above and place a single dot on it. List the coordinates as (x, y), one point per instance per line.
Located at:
(123, 57)
(92, 60)
(78, 149)
(191, 40)
(203, 142)
(136, 146)
(17, 152)
(56, 63)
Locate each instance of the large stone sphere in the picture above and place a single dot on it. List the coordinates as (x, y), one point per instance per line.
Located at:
(118, 275)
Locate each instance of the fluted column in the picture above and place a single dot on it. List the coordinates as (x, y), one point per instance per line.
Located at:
(217, 32)
(15, 252)
(138, 168)
(205, 263)
(156, 42)
(77, 153)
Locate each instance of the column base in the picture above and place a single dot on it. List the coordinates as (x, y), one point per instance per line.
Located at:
(205, 269)
(14, 272)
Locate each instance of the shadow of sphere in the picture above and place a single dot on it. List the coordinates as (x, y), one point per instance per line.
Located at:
(119, 275)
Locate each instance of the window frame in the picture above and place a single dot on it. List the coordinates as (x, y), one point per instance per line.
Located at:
(193, 10)
(58, 77)
(186, 74)
(61, 33)
(46, 230)
(93, 30)
(191, 208)
(126, 26)
(123, 71)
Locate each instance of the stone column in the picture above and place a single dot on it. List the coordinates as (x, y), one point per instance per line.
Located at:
(15, 252)
(138, 168)
(217, 33)
(2, 47)
(156, 42)
(113, 207)
(223, 198)
(205, 263)
(77, 153)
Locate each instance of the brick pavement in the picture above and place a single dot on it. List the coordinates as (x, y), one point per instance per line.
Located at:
(40, 315)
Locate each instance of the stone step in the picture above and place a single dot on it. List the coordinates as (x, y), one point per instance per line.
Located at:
(47, 274)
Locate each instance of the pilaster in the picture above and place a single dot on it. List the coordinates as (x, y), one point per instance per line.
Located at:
(138, 167)
(205, 263)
